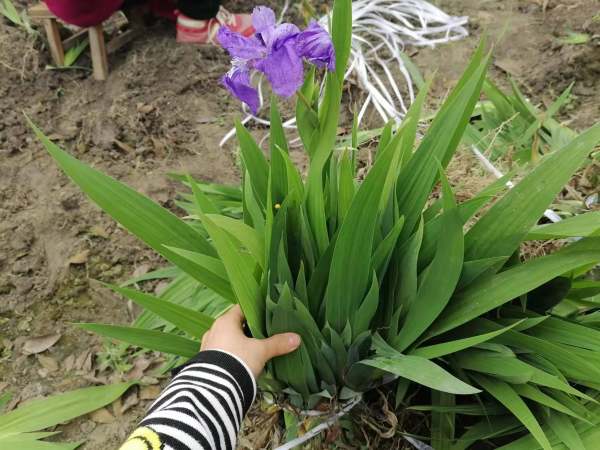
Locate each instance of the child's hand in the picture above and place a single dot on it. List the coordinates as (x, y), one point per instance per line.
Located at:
(228, 335)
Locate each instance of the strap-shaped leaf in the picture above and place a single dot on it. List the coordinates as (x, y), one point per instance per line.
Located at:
(580, 225)
(492, 292)
(500, 231)
(341, 34)
(43, 413)
(509, 398)
(254, 161)
(420, 173)
(434, 290)
(241, 277)
(422, 371)
(192, 322)
(154, 225)
(351, 266)
(149, 339)
(447, 348)
(249, 238)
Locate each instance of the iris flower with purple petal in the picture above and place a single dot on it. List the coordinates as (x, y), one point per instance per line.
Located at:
(275, 50)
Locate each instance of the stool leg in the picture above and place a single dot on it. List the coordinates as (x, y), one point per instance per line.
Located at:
(98, 50)
(54, 41)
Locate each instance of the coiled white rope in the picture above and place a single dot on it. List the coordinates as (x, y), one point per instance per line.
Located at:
(381, 29)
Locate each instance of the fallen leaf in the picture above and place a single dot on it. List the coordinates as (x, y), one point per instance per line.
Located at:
(130, 401)
(139, 366)
(82, 360)
(48, 363)
(40, 344)
(125, 147)
(116, 408)
(79, 258)
(149, 392)
(69, 363)
(145, 108)
(102, 415)
(98, 231)
(141, 270)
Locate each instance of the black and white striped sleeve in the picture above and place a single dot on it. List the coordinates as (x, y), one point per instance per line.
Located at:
(202, 408)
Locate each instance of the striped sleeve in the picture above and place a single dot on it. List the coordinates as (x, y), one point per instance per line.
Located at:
(202, 408)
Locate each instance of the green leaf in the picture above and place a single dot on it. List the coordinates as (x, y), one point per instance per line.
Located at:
(534, 393)
(422, 371)
(581, 225)
(277, 134)
(192, 322)
(203, 202)
(305, 116)
(28, 442)
(434, 291)
(419, 175)
(341, 34)
(255, 163)
(565, 430)
(350, 273)
(475, 409)
(508, 397)
(241, 276)
(346, 186)
(383, 253)
(442, 422)
(164, 273)
(47, 412)
(11, 13)
(148, 339)
(75, 52)
(367, 309)
(446, 348)
(249, 238)
(500, 231)
(562, 331)
(492, 292)
(487, 429)
(215, 276)
(4, 399)
(573, 38)
(153, 224)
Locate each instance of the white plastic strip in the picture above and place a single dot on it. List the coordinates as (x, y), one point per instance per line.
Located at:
(381, 29)
(319, 428)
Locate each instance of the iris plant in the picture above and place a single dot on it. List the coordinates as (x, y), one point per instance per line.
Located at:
(387, 283)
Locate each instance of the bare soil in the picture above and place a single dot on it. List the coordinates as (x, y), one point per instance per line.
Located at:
(162, 110)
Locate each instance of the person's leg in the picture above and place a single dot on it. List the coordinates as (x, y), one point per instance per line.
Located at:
(199, 9)
(199, 21)
(83, 13)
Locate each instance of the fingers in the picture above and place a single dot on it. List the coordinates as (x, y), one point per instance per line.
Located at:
(279, 344)
(234, 315)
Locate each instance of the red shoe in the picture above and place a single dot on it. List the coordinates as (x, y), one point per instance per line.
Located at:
(194, 31)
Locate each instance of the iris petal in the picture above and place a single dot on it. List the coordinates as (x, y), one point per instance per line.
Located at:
(263, 18)
(240, 46)
(316, 46)
(284, 70)
(238, 83)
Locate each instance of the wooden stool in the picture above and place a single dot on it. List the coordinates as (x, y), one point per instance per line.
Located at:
(98, 49)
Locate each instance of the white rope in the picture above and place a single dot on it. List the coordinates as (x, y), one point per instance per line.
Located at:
(381, 29)
(319, 428)
(487, 165)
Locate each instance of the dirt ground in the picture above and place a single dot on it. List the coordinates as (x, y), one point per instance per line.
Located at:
(162, 110)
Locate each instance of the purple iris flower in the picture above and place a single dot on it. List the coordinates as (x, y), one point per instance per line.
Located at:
(275, 50)
(315, 45)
